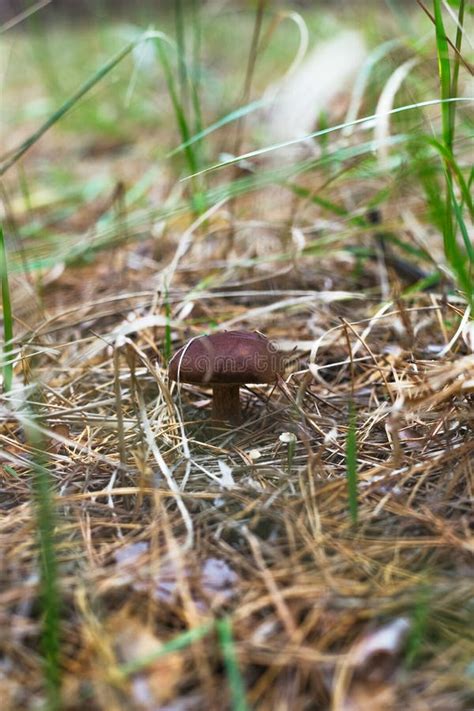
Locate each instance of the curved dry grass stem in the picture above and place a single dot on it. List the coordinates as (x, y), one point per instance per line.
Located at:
(164, 524)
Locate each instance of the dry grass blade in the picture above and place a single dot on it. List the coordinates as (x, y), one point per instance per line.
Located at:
(319, 555)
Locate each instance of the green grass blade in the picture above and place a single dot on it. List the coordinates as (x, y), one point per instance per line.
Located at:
(13, 157)
(351, 465)
(448, 158)
(66, 248)
(177, 105)
(168, 345)
(181, 641)
(234, 676)
(457, 259)
(196, 65)
(181, 45)
(457, 62)
(7, 317)
(22, 16)
(331, 129)
(444, 68)
(50, 598)
(180, 115)
(462, 263)
(419, 627)
(363, 77)
(429, 281)
(228, 118)
(463, 228)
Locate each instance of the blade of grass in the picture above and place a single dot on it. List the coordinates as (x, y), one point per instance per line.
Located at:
(463, 228)
(228, 118)
(22, 16)
(196, 76)
(466, 64)
(189, 81)
(423, 284)
(181, 641)
(250, 69)
(331, 129)
(12, 157)
(50, 598)
(65, 248)
(453, 213)
(363, 79)
(180, 115)
(418, 627)
(10, 471)
(234, 676)
(181, 44)
(444, 70)
(457, 59)
(455, 170)
(168, 345)
(462, 264)
(351, 465)
(7, 317)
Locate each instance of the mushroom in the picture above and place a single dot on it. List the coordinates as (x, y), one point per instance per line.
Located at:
(226, 361)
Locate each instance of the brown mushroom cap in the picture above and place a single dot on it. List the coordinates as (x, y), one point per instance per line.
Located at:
(227, 358)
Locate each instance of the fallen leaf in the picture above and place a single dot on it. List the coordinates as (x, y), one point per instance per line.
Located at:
(58, 432)
(226, 481)
(369, 667)
(157, 683)
(375, 654)
(218, 580)
(368, 696)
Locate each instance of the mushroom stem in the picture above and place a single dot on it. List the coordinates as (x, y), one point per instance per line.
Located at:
(226, 404)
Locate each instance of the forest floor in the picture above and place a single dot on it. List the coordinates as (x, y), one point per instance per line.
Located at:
(319, 556)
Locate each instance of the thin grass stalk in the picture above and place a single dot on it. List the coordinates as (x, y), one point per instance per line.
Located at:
(463, 268)
(7, 317)
(177, 105)
(234, 676)
(50, 598)
(168, 344)
(456, 172)
(457, 60)
(337, 127)
(182, 122)
(189, 83)
(453, 213)
(44, 59)
(181, 641)
(13, 156)
(351, 465)
(181, 44)
(195, 86)
(250, 70)
(419, 626)
(228, 118)
(444, 69)
(196, 65)
(24, 15)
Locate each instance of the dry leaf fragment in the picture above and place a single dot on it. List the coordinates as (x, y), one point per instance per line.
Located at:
(58, 433)
(376, 653)
(363, 682)
(212, 584)
(369, 696)
(218, 580)
(157, 683)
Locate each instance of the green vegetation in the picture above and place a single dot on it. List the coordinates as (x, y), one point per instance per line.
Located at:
(351, 464)
(149, 558)
(49, 585)
(7, 317)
